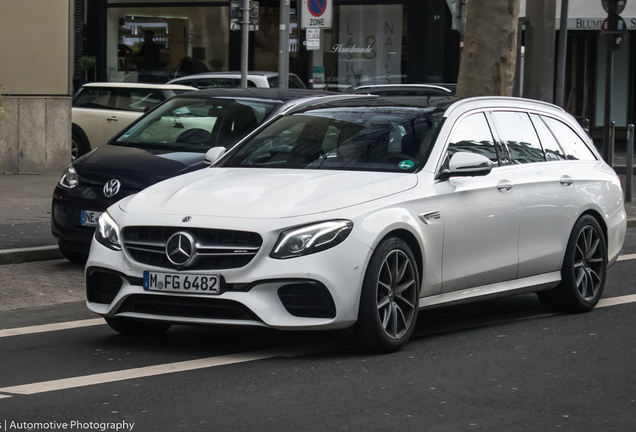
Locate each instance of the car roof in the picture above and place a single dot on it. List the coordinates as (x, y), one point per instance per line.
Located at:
(405, 89)
(499, 102)
(140, 85)
(276, 94)
(439, 103)
(232, 73)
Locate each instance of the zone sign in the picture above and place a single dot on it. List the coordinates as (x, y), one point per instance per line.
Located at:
(316, 14)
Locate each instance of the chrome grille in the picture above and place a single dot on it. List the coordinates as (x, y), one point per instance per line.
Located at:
(214, 249)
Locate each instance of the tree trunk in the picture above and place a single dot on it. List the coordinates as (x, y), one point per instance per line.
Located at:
(489, 55)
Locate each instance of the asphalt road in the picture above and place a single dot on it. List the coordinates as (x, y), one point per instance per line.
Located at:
(499, 365)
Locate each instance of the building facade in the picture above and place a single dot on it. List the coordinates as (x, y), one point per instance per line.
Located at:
(36, 85)
(394, 40)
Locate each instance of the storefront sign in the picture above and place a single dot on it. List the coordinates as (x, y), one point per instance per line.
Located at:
(316, 14)
(594, 23)
(370, 45)
(313, 39)
(319, 77)
(340, 48)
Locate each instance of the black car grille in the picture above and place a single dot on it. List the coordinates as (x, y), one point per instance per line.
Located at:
(215, 249)
(188, 307)
(102, 286)
(307, 300)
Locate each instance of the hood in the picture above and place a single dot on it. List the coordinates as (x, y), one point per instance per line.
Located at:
(265, 193)
(135, 168)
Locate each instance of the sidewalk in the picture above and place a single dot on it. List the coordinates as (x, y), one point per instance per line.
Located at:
(25, 215)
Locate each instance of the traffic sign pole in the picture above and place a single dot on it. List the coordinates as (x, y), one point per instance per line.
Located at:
(563, 46)
(609, 71)
(283, 46)
(245, 31)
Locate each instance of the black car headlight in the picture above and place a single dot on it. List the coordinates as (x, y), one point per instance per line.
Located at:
(107, 232)
(310, 239)
(69, 178)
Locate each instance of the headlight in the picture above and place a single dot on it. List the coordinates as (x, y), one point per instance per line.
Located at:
(107, 232)
(310, 239)
(69, 179)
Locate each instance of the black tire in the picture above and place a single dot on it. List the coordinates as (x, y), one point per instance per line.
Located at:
(78, 146)
(135, 327)
(72, 255)
(389, 301)
(583, 271)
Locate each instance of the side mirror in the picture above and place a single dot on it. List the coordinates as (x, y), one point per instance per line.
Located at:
(213, 155)
(465, 164)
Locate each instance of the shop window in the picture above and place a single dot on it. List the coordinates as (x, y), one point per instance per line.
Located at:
(185, 40)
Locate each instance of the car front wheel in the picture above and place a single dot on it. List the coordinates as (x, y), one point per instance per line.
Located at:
(389, 298)
(583, 271)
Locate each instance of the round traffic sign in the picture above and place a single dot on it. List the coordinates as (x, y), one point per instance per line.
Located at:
(620, 5)
(318, 7)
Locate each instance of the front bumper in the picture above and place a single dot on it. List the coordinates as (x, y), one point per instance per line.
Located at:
(317, 291)
(66, 211)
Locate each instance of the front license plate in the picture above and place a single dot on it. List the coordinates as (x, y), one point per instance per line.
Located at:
(182, 283)
(90, 218)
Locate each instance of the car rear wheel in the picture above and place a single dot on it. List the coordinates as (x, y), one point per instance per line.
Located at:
(134, 327)
(389, 298)
(583, 271)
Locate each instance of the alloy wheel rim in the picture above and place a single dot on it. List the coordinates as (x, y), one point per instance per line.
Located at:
(396, 294)
(74, 150)
(588, 263)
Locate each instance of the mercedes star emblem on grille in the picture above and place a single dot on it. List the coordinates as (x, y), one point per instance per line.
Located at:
(180, 248)
(111, 188)
(186, 219)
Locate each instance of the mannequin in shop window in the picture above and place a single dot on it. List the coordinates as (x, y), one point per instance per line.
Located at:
(148, 60)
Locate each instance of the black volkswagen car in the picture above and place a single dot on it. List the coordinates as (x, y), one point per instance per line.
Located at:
(170, 140)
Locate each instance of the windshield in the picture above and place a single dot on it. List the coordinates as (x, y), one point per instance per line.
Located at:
(388, 139)
(194, 124)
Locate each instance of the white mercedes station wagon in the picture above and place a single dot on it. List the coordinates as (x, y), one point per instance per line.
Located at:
(358, 212)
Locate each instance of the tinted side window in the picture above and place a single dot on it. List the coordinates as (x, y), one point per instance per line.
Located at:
(574, 147)
(295, 82)
(137, 99)
(550, 145)
(93, 98)
(522, 140)
(473, 135)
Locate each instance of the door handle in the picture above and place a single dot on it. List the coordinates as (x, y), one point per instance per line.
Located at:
(504, 186)
(567, 181)
(113, 118)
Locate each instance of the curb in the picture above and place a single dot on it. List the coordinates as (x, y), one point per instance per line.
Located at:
(40, 253)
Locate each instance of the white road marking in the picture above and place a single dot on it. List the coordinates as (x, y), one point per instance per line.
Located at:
(51, 327)
(613, 301)
(4, 396)
(108, 377)
(626, 257)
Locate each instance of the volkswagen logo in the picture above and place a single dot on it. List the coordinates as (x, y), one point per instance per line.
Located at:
(180, 248)
(111, 188)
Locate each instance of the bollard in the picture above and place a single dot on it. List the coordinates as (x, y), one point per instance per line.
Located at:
(630, 163)
(610, 152)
